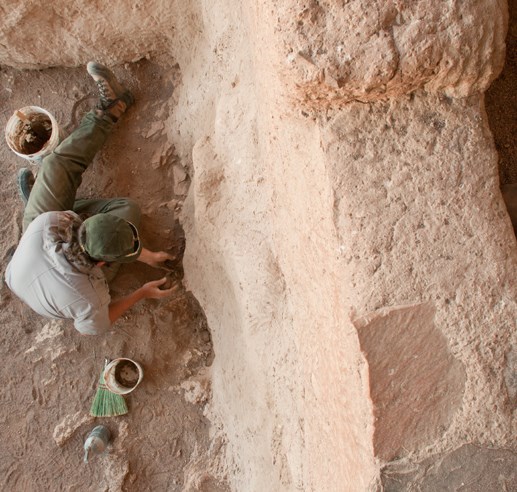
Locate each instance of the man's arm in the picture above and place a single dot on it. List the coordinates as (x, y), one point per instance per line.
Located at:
(155, 259)
(150, 290)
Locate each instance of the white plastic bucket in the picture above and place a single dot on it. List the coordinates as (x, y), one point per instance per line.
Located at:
(14, 132)
(115, 378)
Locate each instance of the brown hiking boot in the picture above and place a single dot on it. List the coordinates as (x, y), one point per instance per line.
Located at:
(114, 97)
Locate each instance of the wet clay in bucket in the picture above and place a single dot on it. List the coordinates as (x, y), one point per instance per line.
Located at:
(123, 375)
(32, 133)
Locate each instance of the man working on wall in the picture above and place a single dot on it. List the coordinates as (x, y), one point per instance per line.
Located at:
(57, 269)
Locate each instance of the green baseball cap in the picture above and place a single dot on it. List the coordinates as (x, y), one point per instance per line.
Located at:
(109, 238)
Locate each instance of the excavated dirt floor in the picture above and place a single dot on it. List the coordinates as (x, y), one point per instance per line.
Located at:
(49, 371)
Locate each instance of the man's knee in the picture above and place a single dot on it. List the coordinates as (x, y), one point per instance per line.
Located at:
(126, 208)
(134, 211)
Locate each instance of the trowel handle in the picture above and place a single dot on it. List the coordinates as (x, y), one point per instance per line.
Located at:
(22, 117)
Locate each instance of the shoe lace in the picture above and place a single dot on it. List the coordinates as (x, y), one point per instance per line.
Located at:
(104, 91)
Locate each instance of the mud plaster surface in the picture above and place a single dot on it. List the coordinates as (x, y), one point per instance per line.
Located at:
(49, 371)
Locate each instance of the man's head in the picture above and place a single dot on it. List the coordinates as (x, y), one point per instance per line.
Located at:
(109, 238)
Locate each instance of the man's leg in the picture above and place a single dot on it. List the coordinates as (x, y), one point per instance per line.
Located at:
(124, 208)
(61, 172)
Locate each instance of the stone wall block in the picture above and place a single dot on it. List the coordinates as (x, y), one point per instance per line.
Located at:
(336, 52)
(416, 385)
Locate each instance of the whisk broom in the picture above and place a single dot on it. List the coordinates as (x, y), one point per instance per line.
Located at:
(106, 403)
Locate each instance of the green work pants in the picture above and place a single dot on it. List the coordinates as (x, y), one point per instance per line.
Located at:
(60, 176)
(61, 172)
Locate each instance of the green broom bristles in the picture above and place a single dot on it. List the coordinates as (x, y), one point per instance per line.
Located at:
(106, 403)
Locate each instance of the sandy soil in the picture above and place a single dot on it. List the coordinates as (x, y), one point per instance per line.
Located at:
(50, 372)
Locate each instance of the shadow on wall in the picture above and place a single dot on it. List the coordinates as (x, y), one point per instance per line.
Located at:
(501, 107)
(510, 198)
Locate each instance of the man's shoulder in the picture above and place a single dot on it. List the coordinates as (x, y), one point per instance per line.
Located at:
(49, 219)
(57, 215)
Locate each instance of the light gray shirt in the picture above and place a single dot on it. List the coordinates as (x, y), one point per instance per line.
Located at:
(41, 276)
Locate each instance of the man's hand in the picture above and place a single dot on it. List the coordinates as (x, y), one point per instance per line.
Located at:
(156, 259)
(152, 290)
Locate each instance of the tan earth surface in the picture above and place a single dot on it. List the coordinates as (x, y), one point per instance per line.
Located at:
(349, 322)
(51, 372)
